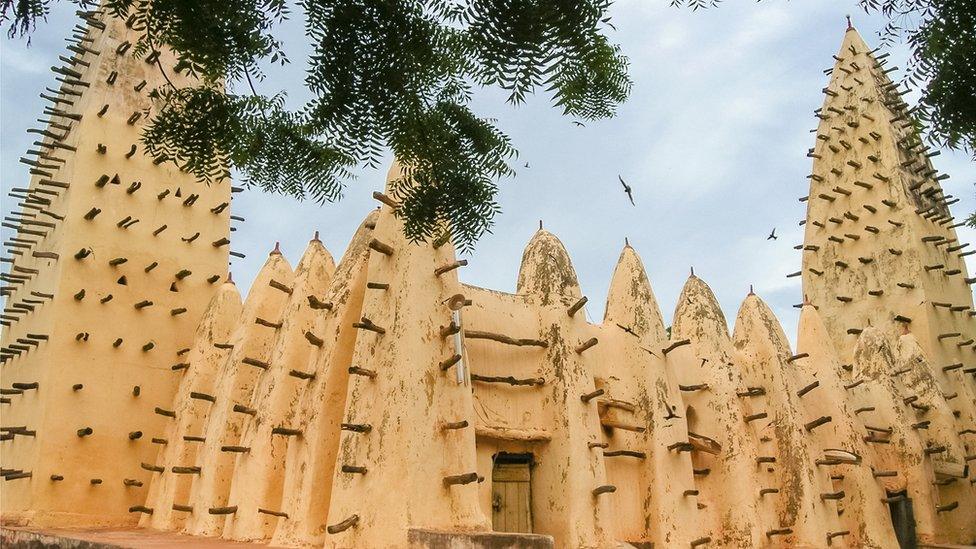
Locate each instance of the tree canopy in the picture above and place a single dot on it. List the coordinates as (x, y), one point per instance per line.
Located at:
(383, 73)
(400, 74)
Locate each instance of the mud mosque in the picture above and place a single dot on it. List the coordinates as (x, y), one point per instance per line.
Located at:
(378, 401)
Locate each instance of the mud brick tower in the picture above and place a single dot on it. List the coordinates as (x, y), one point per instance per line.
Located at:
(113, 260)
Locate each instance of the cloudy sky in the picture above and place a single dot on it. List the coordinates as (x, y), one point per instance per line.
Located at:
(713, 141)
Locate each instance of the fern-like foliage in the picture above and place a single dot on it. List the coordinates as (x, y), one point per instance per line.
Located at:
(384, 74)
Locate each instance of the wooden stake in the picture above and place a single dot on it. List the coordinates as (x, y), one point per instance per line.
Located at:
(537, 381)
(590, 396)
(185, 470)
(625, 453)
(367, 324)
(344, 525)
(586, 345)
(255, 362)
(315, 303)
(577, 306)
(245, 410)
(817, 422)
(262, 322)
(385, 200)
(808, 388)
(380, 247)
(450, 267)
(356, 370)
(675, 345)
(476, 334)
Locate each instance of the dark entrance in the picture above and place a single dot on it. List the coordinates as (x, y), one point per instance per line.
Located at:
(902, 518)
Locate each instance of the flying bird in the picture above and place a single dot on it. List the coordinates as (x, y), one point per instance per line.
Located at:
(627, 190)
(526, 164)
(772, 235)
(578, 123)
(628, 330)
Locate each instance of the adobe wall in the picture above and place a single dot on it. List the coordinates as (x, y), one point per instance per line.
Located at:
(114, 260)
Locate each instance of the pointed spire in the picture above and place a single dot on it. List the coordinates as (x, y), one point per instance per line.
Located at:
(697, 314)
(316, 264)
(630, 300)
(315, 238)
(230, 277)
(756, 319)
(850, 26)
(546, 270)
(277, 249)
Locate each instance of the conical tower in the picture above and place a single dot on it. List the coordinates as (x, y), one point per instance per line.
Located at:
(880, 247)
(113, 261)
(881, 257)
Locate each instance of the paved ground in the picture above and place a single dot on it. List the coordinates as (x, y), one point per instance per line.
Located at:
(22, 538)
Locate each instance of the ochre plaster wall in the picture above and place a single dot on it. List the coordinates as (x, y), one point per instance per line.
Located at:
(113, 295)
(347, 406)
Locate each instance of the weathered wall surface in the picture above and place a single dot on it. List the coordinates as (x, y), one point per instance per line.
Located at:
(881, 255)
(369, 403)
(817, 373)
(114, 260)
(716, 396)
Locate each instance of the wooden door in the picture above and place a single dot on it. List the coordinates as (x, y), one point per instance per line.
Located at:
(903, 519)
(511, 499)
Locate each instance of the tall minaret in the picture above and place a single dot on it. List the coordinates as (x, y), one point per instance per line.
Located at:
(113, 261)
(880, 247)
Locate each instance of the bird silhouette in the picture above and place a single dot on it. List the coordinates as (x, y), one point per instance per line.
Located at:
(526, 164)
(627, 190)
(671, 414)
(772, 235)
(628, 330)
(578, 123)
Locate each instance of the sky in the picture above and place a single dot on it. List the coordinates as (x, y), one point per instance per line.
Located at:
(713, 140)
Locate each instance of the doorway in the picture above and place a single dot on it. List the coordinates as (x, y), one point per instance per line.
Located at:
(511, 493)
(902, 518)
